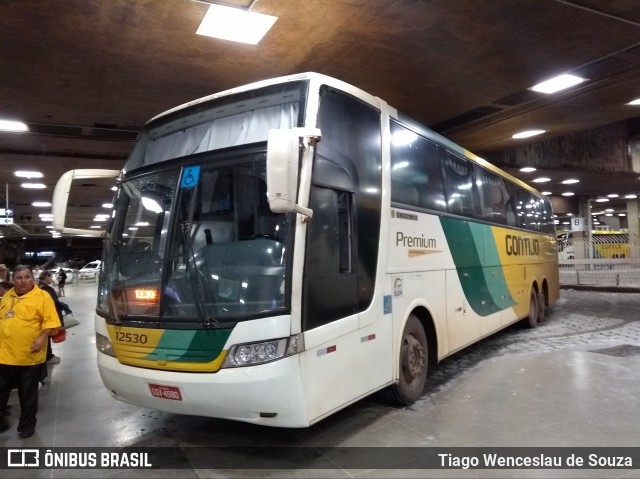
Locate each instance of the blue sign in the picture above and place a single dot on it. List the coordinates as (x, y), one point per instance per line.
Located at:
(190, 176)
(387, 304)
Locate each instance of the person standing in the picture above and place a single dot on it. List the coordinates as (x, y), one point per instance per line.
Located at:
(44, 283)
(4, 287)
(27, 318)
(62, 280)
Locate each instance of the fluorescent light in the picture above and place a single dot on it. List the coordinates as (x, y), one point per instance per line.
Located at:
(235, 24)
(546, 193)
(37, 186)
(527, 134)
(41, 204)
(612, 195)
(634, 102)
(28, 174)
(568, 193)
(527, 169)
(602, 200)
(541, 180)
(570, 181)
(630, 197)
(107, 205)
(558, 83)
(10, 125)
(95, 226)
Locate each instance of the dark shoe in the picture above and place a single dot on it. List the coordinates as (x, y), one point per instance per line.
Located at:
(27, 433)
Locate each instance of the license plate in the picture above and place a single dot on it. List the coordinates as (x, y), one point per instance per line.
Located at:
(165, 392)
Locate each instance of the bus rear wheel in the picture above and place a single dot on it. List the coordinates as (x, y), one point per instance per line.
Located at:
(532, 320)
(542, 306)
(413, 365)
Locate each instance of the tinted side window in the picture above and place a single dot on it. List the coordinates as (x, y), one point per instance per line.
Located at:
(458, 184)
(492, 194)
(416, 177)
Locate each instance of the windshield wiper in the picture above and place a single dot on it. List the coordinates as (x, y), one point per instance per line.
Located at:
(196, 279)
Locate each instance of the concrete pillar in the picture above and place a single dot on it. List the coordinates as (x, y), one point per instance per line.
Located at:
(634, 228)
(580, 246)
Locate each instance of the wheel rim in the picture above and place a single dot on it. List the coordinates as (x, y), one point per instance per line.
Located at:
(412, 359)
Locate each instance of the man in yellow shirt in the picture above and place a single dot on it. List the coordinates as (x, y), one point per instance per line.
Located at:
(27, 317)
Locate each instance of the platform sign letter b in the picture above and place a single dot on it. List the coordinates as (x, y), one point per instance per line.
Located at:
(578, 224)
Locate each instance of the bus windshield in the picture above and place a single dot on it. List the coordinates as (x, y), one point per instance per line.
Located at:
(211, 251)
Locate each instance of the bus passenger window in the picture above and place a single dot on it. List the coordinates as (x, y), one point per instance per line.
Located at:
(458, 184)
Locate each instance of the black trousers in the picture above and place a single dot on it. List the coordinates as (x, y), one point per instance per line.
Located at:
(26, 379)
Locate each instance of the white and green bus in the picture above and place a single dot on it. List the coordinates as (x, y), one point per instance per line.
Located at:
(281, 250)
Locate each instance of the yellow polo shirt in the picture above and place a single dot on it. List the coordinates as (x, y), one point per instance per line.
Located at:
(22, 319)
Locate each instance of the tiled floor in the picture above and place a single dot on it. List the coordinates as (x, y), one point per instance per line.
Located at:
(557, 385)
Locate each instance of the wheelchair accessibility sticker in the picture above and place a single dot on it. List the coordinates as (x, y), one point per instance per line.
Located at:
(190, 176)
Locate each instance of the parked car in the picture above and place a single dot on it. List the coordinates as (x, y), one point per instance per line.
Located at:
(76, 263)
(56, 269)
(90, 270)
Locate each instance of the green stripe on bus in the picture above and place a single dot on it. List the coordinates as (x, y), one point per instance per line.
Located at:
(477, 262)
(199, 346)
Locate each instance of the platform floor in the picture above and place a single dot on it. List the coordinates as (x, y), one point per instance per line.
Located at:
(572, 382)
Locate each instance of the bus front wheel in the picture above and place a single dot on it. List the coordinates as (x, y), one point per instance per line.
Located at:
(413, 365)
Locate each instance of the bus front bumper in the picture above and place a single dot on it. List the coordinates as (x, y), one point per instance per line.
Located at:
(269, 394)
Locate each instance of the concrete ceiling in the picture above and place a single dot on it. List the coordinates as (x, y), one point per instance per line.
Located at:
(86, 74)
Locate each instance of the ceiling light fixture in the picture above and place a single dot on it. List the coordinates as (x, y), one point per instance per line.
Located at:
(527, 134)
(11, 125)
(41, 204)
(630, 197)
(37, 186)
(570, 181)
(568, 193)
(546, 193)
(612, 195)
(228, 23)
(556, 84)
(28, 174)
(602, 200)
(527, 169)
(541, 180)
(634, 102)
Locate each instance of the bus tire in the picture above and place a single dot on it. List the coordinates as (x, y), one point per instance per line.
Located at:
(414, 359)
(542, 307)
(532, 319)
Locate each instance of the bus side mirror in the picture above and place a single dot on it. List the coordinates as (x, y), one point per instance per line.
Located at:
(61, 197)
(283, 160)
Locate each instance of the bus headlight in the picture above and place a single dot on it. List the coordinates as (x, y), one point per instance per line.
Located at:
(104, 345)
(250, 354)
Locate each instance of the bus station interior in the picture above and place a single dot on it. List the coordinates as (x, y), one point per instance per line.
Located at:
(85, 75)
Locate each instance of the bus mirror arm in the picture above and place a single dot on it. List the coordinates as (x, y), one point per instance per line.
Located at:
(283, 160)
